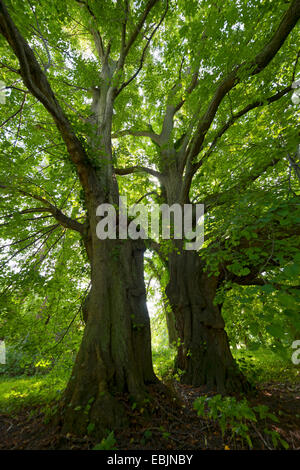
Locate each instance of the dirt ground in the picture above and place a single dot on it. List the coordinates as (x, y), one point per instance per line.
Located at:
(172, 425)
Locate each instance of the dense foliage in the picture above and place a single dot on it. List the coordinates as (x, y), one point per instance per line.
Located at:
(164, 102)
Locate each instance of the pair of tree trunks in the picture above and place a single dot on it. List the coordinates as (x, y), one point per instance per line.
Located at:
(115, 354)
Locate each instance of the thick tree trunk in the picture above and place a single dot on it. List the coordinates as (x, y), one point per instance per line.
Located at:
(204, 356)
(115, 354)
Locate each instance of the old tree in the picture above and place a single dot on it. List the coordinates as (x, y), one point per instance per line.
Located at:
(192, 100)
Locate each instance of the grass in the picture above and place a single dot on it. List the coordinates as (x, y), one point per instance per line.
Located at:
(265, 365)
(29, 391)
(23, 391)
(259, 366)
(19, 392)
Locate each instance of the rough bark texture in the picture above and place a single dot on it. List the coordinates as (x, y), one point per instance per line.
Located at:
(204, 355)
(115, 354)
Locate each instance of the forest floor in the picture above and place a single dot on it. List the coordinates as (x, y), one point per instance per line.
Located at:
(173, 424)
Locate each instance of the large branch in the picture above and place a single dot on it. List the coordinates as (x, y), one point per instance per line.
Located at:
(143, 55)
(150, 133)
(219, 198)
(36, 81)
(173, 105)
(191, 169)
(238, 115)
(135, 169)
(253, 67)
(98, 41)
(131, 40)
(64, 220)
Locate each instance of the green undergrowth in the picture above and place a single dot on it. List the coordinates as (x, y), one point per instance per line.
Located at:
(264, 365)
(24, 391)
(259, 366)
(21, 392)
(29, 391)
(237, 417)
(163, 361)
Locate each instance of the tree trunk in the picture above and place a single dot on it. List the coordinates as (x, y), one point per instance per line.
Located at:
(171, 326)
(115, 353)
(204, 356)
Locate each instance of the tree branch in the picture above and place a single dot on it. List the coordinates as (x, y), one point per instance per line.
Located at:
(36, 81)
(9, 68)
(48, 65)
(64, 220)
(28, 238)
(95, 32)
(173, 108)
(30, 244)
(193, 168)
(135, 33)
(221, 198)
(145, 195)
(151, 134)
(236, 116)
(261, 60)
(253, 278)
(134, 169)
(125, 84)
(15, 113)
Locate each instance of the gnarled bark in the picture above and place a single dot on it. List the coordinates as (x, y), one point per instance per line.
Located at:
(204, 355)
(115, 354)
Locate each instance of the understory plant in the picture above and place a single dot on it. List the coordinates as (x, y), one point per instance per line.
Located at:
(237, 416)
